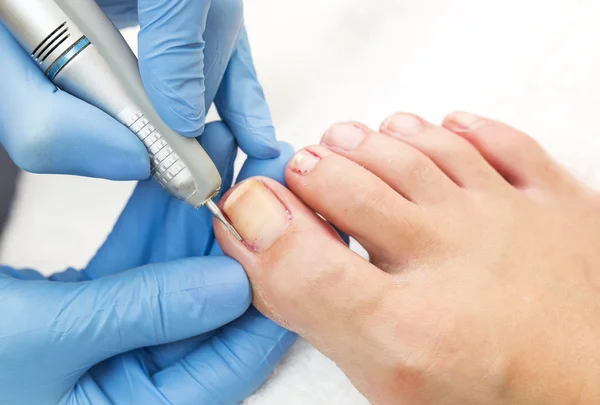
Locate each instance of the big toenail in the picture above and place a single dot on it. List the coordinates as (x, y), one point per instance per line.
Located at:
(402, 125)
(304, 162)
(347, 136)
(462, 122)
(257, 214)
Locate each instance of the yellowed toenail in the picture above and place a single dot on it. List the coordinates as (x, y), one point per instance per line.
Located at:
(257, 214)
(404, 125)
(461, 121)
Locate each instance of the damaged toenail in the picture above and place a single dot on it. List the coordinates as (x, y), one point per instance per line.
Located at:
(304, 162)
(462, 121)
(347, 136)
(404, 125)
(257, 214)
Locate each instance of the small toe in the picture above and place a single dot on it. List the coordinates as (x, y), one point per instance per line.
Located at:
(514, 154)
(452, 154)
(359, 203)
(402, 167)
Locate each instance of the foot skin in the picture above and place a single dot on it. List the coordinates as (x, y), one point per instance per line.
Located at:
(483, 284)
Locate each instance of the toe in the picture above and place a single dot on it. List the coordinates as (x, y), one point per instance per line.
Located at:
(290, 254)
(359, 203)
(452, 154)
(402, 167)
(514, 154)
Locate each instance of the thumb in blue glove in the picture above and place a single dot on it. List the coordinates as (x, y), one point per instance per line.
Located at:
(76, 325)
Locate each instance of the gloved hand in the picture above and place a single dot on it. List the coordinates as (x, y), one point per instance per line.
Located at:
(153, 335)
(191, 52)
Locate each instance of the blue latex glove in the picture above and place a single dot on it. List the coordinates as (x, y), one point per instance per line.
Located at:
(152, 335)
(191, 53)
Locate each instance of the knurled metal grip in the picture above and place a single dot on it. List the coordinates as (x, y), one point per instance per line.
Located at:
(165, 164)
(82, 52)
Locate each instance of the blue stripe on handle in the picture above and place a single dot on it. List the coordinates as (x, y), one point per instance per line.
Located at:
(66, 58)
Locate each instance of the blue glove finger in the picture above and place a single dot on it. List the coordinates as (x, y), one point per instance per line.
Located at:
(121, 380)
(242, 357)
(230, 366)
(273, 168)
(155, 227)
(49, 131)
(24, 274)
(68, 276)
(223, 30)
(88, 322)
(241, 104)
(180, 43)
(219, 143)
(163, 356)
(123, 13)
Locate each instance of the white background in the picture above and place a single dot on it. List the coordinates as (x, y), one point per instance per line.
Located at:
(532, 63)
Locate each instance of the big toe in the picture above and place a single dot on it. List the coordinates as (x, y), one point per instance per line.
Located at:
(300, 269)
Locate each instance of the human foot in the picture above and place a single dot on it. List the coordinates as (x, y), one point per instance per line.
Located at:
(484, 280)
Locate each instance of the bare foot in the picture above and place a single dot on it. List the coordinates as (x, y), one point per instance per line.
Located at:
(484, 280)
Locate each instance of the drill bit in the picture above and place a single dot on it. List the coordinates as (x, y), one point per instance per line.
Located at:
(216, 211)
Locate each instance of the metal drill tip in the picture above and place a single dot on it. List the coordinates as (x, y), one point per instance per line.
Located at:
(216, 211)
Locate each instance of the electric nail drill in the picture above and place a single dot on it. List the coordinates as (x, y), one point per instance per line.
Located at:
(84, 54)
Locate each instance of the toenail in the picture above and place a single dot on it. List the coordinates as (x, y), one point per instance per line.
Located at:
(257, 214)
(304, 162)
(347, 136)
(402, 125)
(462, 122)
